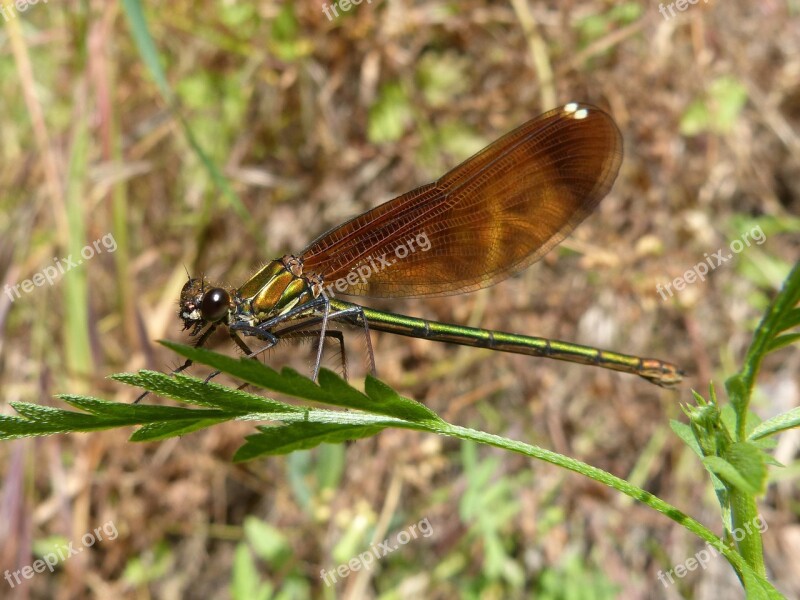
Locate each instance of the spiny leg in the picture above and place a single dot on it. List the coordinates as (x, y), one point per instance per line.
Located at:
(312, 334)
(299, 331)
(339, 336)
(368, 339)
(358, 312)
(351, 315)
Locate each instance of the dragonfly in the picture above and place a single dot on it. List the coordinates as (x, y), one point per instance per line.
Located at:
(487, 219)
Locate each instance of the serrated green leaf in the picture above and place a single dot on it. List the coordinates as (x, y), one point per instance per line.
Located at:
(287, 382)
(162, 431)
(332, 389)
(787, 420)
(300, 436)
(100, 407)
(102, 414)
(190, 389)
(55, 420)
(339, 392)
(12, 428)
(134, 413)
(393, 404)
(45, 414)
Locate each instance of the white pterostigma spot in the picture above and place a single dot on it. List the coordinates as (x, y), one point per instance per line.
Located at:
(572, 110)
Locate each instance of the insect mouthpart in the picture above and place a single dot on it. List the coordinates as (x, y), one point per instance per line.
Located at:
(189, 305)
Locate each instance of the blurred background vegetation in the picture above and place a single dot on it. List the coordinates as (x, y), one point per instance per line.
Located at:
(273, 123)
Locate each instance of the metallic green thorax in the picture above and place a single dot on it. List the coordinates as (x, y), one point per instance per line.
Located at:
(276, 288)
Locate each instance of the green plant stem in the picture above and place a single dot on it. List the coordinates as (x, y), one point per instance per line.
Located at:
(463, 433)
(784, 302)
(606, 479)
(745, 512)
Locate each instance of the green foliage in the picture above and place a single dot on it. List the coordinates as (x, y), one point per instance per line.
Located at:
(732, 442)
(718, 110)
(285, 41)
(573, 581)
(242, 17)
(151, 566)
(134, 13)
(390, 114)
(76, 287)
(764, 270)
(441, 77)
(488, 506)
(51, 544)
(447, 145)
(355, 537)
(594, 27)
(264, 545)
(312, 473)
(246, 581)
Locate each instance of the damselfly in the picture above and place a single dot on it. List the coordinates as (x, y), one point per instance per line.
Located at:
(488, 218)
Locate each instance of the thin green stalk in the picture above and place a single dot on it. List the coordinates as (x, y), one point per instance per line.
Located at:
(76, 292)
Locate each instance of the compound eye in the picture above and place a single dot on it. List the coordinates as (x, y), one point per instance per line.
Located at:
(215, 304)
